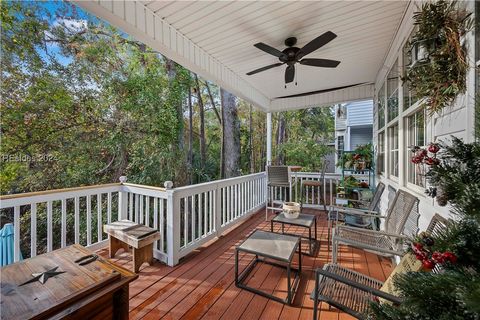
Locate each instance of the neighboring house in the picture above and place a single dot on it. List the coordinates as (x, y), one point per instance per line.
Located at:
(353, 125)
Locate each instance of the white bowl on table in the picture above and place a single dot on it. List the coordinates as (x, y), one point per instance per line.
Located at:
(291, 210)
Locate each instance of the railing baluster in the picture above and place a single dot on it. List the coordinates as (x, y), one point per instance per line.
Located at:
(155, 220)
(33, 230)
(99, 218)
(137, 207)
(185, 219)
(64, 224)
(49, 226)
(130, 207)
(141, 210)
(162, 225)
(206, 210)
(211, 211)
(224, 205)
(109, 207)
(193, 213)
(77, 219)
(89, 220)
(147, 211)
(16, 233)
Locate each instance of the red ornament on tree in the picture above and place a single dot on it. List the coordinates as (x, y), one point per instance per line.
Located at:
(433, 147)
(428, 264)
(449, 256)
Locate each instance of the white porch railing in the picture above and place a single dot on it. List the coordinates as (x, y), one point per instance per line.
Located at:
(313, 195)
(186, 217)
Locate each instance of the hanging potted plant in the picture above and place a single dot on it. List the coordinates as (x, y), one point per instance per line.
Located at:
(439, 59)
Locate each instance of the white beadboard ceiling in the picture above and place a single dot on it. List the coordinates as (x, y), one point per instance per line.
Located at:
(225, 32)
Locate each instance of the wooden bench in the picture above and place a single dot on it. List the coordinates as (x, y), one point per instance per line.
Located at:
(124, 234)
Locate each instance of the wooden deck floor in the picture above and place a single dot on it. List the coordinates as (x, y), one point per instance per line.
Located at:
(202, 285)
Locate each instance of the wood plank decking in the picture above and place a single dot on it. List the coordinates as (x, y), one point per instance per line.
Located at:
(202, 285)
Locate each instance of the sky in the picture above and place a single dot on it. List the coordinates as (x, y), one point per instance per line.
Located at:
(59, 6)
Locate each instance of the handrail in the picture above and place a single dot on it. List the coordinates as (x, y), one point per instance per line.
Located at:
(45, 192)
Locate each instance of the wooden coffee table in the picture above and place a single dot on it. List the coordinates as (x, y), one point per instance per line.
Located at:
(124, 234)
(95, 290)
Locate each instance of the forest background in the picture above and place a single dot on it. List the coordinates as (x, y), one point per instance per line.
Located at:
(83, 103)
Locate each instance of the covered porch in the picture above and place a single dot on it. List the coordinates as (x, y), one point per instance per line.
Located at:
(200, 225)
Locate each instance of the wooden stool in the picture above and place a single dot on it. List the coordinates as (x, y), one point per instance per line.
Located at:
(124, 234)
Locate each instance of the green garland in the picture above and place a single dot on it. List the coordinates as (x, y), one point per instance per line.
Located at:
(439, 80)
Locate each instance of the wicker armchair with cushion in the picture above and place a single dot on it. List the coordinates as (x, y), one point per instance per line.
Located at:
(352, 292)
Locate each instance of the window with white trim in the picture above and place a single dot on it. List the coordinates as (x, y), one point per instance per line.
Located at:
(392, 92)
(409, 97)
(393, 150)
(381, 107)
(381, 153)
(415, 137)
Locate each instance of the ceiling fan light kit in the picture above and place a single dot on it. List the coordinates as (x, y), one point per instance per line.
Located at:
(291, 55)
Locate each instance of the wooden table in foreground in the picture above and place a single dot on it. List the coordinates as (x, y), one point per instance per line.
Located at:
(124, 234)
(97, 290)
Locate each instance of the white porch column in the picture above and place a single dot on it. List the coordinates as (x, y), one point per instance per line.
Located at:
(269, 138)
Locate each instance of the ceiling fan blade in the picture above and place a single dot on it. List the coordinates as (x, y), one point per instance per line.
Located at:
(316, 43)
(268, 49)
(324, 63)
(320, 91)
(289, 74)
(264, 68)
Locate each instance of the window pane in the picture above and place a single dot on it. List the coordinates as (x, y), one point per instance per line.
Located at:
(409, 97)
(381, 153)
(381, 107)
(393, 138)
(416, 137)
(392, 92)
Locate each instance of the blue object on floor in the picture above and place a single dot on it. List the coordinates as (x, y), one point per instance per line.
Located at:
(6, 244)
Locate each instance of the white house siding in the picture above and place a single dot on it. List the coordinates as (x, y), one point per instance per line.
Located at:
(458, 120)
(359, 136)
(359, 113)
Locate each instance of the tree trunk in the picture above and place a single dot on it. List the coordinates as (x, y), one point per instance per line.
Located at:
(231, 135)
(190, 134)
(212, 101)
(203, 153)
(281, 138)
(250, 141)
(178, 149)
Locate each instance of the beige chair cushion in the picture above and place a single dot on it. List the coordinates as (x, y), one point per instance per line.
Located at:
(407, 264)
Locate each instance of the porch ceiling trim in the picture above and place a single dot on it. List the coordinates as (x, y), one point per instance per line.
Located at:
(137, 20)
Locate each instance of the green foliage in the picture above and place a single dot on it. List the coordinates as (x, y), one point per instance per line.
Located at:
(458, 176)
(306, 153)
(445, 296)
(440, 27)
(453, 293)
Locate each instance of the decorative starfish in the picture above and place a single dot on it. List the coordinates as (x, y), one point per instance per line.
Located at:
(42, 277)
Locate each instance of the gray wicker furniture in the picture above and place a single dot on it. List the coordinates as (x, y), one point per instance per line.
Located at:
(304, 220)
(357, 217)
(278, 181)
(401, 221)
(276, 248)
(352, 292)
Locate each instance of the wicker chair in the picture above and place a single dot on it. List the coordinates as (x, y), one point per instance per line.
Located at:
(277, 177)
(352, 292)
(401, 221)
(358, 217)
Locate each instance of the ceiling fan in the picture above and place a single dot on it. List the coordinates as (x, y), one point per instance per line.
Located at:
(291, 55)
